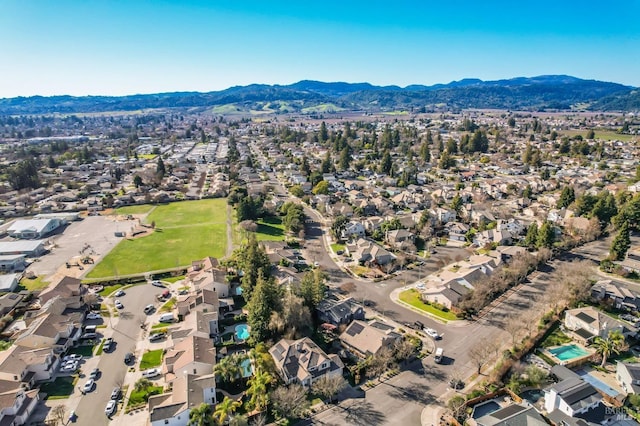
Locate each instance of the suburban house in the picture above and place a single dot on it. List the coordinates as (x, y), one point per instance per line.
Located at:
(205, 274)
(31, 229)
(302, 361)
(514, 414)
(457, 231)
(27, 366)
(9, 302)
(353, 229)
(51, 331)
(368, 252)
(447, 295)
(69, 290)
(193, 354)
(628, 376)
(400, 238)
(588, 322)
(339, 311)
(17, 405)
(572, 401)
(188, 391)
(363, 339)
(202, 300)
(620, 297)
(492, 236)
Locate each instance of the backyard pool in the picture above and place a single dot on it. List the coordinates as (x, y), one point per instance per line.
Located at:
(568, 352)
(246, 368)
(485, 408)
(532, 395)
(242, 331)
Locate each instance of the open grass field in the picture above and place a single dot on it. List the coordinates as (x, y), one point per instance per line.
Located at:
(184, 232)
(606, 135)
(412, 297)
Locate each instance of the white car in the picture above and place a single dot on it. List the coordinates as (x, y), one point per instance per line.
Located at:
(152, 372)
(433, 333)
(72, 357)
(88, 387)
(119, 293)
(119, 304)
(111, 407)
(69, 367)
(93, 316)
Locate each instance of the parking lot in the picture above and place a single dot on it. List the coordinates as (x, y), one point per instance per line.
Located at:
(96, 231)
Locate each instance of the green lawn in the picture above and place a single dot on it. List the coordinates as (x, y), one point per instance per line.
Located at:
(412, 297)
(60, 388)
(337, 247)
(270, 229)
(84, 350)
(37, 283)
(555, 338)
(602, 134)
(142, 396)
(151, 359)
(142, 209)
(107, 290)
(168, 306)
(185, 231)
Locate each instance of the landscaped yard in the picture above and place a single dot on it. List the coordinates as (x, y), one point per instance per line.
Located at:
(185, 231)
(412, 297)
(60, 388)
(555, 338)
(84, 350)
(142, 396)
(151, 359)
(270, 229)
(168, 306)
(337, 247)
(36, 283)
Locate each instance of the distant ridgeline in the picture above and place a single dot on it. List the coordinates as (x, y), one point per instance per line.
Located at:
(554, 92)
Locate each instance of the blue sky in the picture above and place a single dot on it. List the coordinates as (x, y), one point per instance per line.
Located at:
(117, 47)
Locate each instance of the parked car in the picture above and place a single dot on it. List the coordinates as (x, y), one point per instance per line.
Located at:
(108, 345)
(115, 393)
(119, 304)
(157, 283)
(128, 358)
(152, 372)
(88, 386)
(69, 367)
(149, 309)
(94, 373)
(433, 333)
(111, 407)
(93, 316)
(157, 336)
(418, 325)
(72, 357)
(119, 293)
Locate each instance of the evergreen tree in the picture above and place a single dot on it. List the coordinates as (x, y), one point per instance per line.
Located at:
(160, 168)
(327, 164)
(312, 288)
(386, 164)
(527, 192)
(446, 161)
(345, 158)
(546, 235)
(567, 197)
(621, 243)
(456, 203)
(324, 134)
(265, 299)
(532, 235)
(425, 154)
(253, 262)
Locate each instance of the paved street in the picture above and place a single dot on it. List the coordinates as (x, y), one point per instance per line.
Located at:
(126, 333)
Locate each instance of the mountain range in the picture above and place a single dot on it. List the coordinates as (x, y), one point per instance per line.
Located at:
(541, 93)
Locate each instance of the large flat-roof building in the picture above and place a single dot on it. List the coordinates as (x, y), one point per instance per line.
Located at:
(28, 248)
(29, 229)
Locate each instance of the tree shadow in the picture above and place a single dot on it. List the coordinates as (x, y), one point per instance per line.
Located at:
(363, 413)
(412, 392)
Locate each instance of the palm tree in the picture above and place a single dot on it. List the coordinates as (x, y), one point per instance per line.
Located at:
(229, 368)
(225, 408)
(258, 389)
(612, 344)
(202, 415)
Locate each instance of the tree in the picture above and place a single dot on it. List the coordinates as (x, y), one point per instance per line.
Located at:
(328, 387)
(294, 319)
(324, 134)
(546, 235)
(137, 181)
(446, 161)
(225, 408)
(258, 390)
(321, 188)
(297, 191)
(265, 299)
(58, 413)
(142, 384)
(202, 415)
(386, 164)
(312, 288)
(567, 197)
(24, 175)
(290, 401)
(252, 261)
(532, 235)
(457, 406)
(160, 168)
(621, 243)
(612, 344)
(345, 158)
(338, 225)
(478, 355)
(229, 368)
(456, 203)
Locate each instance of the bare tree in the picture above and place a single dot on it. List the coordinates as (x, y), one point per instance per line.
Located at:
(259, 420)
(479, 354)
(404, 349)
(329, 387)
(249, 225)
(289, 401)
(513, 327)
(380, 362)
(58, 414)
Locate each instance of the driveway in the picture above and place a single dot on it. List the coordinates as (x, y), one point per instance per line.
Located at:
(126, 332)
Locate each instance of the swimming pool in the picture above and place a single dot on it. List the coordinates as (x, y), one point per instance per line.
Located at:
(246, 368)
(568, 352)
(485, 408)
(242, 331)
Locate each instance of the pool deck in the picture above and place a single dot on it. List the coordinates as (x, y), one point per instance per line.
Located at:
(608, 379)
(572, 361)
